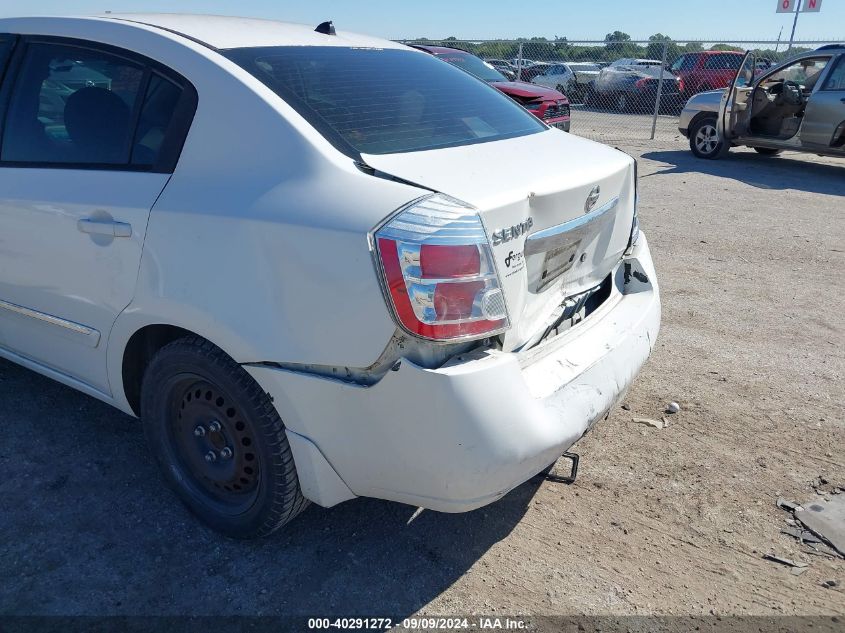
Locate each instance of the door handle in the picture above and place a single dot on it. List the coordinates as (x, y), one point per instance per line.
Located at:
(104, 227)
(842, 99)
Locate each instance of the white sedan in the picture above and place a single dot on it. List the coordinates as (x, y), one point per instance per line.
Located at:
(317, 265)
(557, 77)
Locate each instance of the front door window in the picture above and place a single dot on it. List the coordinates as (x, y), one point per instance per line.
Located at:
(805, 73)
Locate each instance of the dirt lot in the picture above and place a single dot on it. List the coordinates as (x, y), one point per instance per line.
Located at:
(673, 521)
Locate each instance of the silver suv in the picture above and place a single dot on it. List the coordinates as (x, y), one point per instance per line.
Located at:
(798, 105)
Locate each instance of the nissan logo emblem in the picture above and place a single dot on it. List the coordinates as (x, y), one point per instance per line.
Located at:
(592, 199)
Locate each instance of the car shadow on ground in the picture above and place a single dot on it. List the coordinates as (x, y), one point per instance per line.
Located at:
(791, 170)
(89, 528)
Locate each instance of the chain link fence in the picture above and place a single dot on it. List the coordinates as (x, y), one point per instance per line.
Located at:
(622, 89)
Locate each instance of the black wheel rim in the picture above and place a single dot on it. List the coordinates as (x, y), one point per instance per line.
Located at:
(213, 445)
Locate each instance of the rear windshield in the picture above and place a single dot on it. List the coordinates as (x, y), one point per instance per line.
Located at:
(585, 67)
(385, 101)
(471, 64)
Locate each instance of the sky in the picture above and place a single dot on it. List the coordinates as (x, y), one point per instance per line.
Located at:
(712, 20)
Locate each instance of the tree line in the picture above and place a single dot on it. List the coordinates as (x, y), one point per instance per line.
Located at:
(616, 45)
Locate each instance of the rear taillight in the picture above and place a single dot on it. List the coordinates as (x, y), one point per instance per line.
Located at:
(635, 223)
(641, 83)
(439, 272)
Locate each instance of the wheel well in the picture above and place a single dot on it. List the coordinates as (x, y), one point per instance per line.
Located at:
(140, 349)
(705, 115)
(839, 136)
(701, 116)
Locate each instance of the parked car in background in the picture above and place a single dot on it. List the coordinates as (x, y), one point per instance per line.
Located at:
(549, 105)
(527, 73)
(764, 63)
(571, 78)
(707, 70)
(629, 61)
(586, 74)
(317, 265)
(634, 88)
(524, 62)
(557, 76)
(504, 67)
(798, 105)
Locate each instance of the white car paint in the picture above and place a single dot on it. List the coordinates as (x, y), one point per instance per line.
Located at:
(260, 242)
(555, 76)
(509, 191)
(461, 436)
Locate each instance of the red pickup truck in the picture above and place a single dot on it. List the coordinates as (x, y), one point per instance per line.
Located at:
(707, 70)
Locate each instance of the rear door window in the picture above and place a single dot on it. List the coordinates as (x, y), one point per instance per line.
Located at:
(160, 105)
(6, 43)
(71, 105)
(382, 101)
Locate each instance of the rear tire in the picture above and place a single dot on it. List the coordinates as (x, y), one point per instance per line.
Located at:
(767, 151)
(219, 440)
(704, 139)
(623, 102)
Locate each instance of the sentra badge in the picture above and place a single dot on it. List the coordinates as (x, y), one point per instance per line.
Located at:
(512, 232)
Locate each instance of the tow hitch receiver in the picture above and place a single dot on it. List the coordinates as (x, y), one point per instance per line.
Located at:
(573, 472)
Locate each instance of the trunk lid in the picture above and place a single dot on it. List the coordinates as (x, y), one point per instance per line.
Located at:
(532, 192)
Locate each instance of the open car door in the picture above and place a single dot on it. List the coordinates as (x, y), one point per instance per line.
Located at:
(735, 100)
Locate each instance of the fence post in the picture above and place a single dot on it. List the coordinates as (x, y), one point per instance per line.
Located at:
(519, 63)
(659, 90)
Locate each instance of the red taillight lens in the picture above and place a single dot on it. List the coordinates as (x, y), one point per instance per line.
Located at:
(455, 301)
(448, 262)
(439, 271)
(641, 83)
(680, 85)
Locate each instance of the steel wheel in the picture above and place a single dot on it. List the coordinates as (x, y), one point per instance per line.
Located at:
(212, 444)
(219, 439)
(622, 103)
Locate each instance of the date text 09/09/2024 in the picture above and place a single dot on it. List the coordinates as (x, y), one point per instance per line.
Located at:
(421, 623)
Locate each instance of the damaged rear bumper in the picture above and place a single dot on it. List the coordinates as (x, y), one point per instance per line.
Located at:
(459, 437)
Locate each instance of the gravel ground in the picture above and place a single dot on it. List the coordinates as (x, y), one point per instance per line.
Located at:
(609, 126)
(669, 521)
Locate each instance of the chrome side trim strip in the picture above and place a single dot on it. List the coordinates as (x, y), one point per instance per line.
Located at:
(542, 241)
(91, 336)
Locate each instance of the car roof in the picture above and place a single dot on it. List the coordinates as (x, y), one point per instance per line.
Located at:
(216, 31)
(831, 47)
(635, 61)
(717, 53)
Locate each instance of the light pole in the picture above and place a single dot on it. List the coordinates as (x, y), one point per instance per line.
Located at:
(794, 24)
